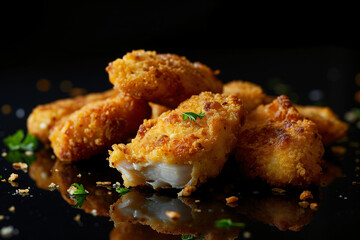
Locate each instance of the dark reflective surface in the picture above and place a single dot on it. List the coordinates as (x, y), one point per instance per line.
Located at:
(45, 214)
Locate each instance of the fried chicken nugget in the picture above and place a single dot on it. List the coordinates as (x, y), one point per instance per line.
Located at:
(280, 146)
(251, 94)
(96, 126)
(170, 152)
(44, 117)
(330, 127)
(165, 79)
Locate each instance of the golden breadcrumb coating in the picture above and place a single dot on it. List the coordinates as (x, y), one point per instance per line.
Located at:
(330, 127)
(250, 94)
(170, 152)
(44, 117)
(166, 79)
(280, 146)
(96, 126)
(157, 110)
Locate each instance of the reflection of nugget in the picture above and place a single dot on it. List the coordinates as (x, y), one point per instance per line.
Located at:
(330, 127)
(44, 117)
(279, 146)
(170, 152)
(96, 126)
(165, 79)
(250, 94)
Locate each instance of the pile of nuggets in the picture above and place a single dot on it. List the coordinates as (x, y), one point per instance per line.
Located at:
(141, 119)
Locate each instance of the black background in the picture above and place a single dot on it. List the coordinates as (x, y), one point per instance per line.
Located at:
(305, 46)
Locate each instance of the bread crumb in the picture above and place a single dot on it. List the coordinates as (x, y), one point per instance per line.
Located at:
(79, 175)
(8, 232)
(77, 218)
(197, 210)
(247, 234)
(314, 206)
(173, 215)
(2, 217)
(71, 190)
(304, 204)
(13, 177)
(106, 183)
(197, 201)
(22, 192)
(232, 199)
(52, 186)
(20, 165)
(3, 180)
(12, 209)
(338, 150)
(186, 192)
(4, 154)
(306, 194)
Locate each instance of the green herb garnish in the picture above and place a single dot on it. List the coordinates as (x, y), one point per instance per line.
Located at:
(18, 142)
(19, 156)
(190, 237)
(227, 223)
(79, 195)
(192, 116)
(122, 191)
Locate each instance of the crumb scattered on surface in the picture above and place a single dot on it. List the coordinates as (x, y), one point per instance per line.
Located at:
(3, 180)
(79, 175)
(186, 192)
(13, 177)
(2, 217)
(71, 190)
(338, 150)
(4, 154)
(52, 186)
(20, 165)
(22, 192)
(197, 201)
(314, 206)
(173, 215)
(116, 185)
(197, 210)
(304, 204)
(247, 234)
(105, 183)
(8, 231)
(77, 218)
(12, 209)
(232, 199)
(306, 194)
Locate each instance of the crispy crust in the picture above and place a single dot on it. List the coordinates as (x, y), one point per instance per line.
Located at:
(203, 144)
(250, 94)
(330, 127)
(96, 126)
(166, 79)
(44, 117)
(279, 146)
